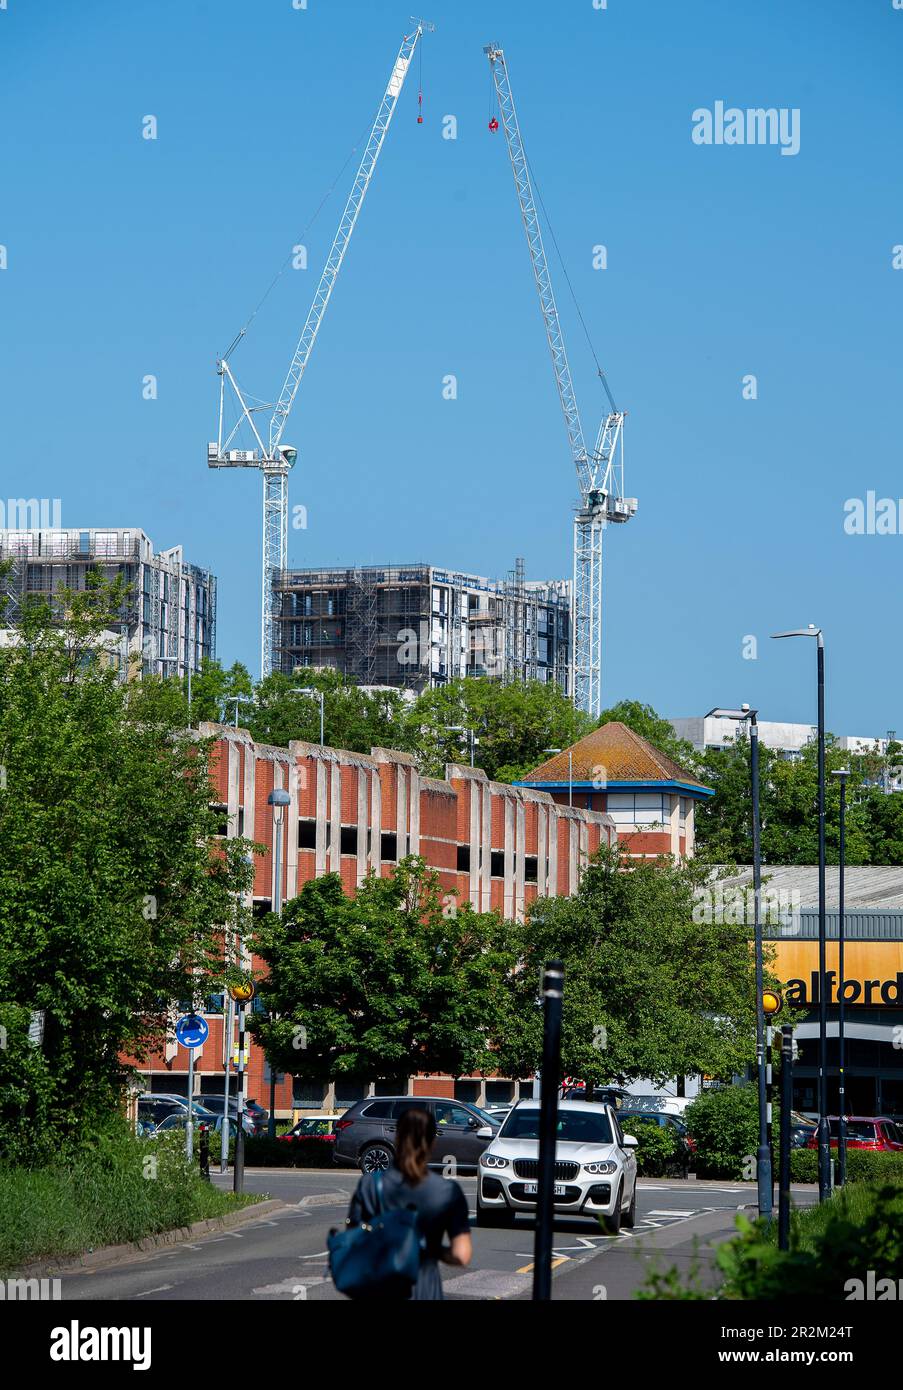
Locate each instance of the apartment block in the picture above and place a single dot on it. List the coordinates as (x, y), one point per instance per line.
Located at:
(418, 626)
(167, 620)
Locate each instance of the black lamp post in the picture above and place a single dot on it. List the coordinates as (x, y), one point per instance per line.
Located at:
(278, 798)
(764, 1178)
(824, 1136)
(843, 773)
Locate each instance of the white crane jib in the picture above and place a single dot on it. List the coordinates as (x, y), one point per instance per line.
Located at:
(600, 473)
(272, 457)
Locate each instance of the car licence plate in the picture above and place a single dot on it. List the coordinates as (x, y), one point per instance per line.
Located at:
(531, 1189)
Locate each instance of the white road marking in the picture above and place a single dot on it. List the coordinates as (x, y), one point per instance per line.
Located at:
(673, 1211)
(147, 1292)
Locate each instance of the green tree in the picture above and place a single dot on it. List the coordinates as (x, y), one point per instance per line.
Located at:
(514, 724)
(648, 991)
(390, 982)
(288, 707)
(213, 690)
(112, 882)
(788, 808)
(644, 720)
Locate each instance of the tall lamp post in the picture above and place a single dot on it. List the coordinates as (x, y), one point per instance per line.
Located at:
(764, 1178)
(843, 773)
(471, 736)
(570, 771)
(278, 799)
(824, 1135)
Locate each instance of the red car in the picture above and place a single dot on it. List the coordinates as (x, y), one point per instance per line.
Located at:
(874, 1132)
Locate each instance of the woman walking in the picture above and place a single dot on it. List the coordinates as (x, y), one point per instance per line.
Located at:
(439, 1202)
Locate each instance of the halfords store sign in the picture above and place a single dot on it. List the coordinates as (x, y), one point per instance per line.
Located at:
(872, 992)
(872, 973)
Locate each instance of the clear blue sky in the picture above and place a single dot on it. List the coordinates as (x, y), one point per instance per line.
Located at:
(129, 257)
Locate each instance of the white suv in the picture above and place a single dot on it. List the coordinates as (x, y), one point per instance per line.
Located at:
(595, 1167)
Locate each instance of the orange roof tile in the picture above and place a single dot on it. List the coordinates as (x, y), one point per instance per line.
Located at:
(617, 753)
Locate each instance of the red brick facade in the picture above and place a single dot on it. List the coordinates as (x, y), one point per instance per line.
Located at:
(494, 845)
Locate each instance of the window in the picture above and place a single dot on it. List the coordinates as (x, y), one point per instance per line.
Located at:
(453, 1115)
(497, 864)
(463, 859)
(307, 834)
(638, 808)
(389, 848)
(221, 812)
(684, 802)
(379, 1110)
(348, 839)
(531, 869)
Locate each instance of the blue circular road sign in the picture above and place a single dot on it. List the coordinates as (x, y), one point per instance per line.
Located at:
(192, 1030)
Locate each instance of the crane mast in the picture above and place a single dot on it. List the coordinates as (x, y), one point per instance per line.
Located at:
(275, 459)
(600, 473)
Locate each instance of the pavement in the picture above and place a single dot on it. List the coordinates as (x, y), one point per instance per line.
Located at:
(281, 1253)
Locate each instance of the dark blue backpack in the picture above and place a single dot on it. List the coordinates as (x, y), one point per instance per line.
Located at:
(380, 1258)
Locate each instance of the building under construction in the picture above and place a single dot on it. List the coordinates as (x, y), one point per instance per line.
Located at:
(416, 626)
(167, 619)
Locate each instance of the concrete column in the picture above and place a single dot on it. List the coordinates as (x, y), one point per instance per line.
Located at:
(584, 849)
(362, 822)
(474, 789)
(320, 850)
(401, 810)
(674, 822)
(520, 865)
(542, 857)
(335, 818)
(292, 783)
(233, 771)
(486, 846)
(376, 819)
(508, 899)
(250, 793)
(573, 857)
(553, 851)
(414, 843)
(690, 832)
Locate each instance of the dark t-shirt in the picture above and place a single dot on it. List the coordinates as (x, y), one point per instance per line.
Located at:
(441, 1213)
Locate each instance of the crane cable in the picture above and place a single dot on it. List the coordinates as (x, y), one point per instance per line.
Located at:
(282, 269)
(600, 372)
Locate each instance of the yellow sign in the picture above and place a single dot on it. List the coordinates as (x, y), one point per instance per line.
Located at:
(872, 973)
(243, 992)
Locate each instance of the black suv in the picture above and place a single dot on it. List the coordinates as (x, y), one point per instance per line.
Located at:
(366, 1132)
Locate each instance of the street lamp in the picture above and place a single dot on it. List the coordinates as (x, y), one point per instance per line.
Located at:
(764, 1179)
(313, 694)
(824, 1137)
(843, 773)
(238, 700)
(278, 799)
(463, 729)
(174, 661)
(570, 771)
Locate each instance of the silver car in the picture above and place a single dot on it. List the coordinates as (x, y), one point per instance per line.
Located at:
(595, 1167)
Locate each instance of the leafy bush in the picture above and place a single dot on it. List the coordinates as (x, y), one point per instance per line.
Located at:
(862, 1166)
(264, 1152)
(725, 1126)
(117, 1189)
(658, 1151)
(859, 1229)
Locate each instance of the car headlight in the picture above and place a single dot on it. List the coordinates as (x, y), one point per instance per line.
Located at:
(493, 1161)
(606, 1166)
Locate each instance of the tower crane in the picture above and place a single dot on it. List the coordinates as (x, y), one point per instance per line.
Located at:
(274, 458)
(600, 472)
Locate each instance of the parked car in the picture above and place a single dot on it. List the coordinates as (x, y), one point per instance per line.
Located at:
(874, 1132)
(665, 1105)
(683, 1159)
(203, 1119)
(255, 1121)
(615, 1096)
(154, 1108)
(313, 1128)
(801, 1129)
(365, 1134)
(595, 1167)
